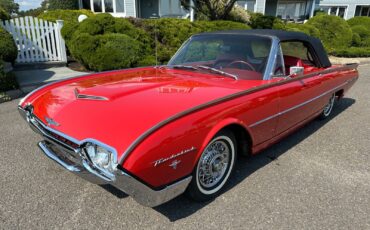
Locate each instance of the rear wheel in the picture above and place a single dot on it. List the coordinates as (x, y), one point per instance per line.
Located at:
(328, 108)
(214, 167)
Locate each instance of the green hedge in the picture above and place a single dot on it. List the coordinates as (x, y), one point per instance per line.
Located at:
(8, 49)
(103, 42)
(7, 80)
(352, 52)
(334, 31)
(62, 4)
(66, 15)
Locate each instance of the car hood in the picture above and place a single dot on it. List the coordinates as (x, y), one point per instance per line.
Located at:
(117, 107)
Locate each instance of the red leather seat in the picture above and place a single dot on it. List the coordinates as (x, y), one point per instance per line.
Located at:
(290, 61)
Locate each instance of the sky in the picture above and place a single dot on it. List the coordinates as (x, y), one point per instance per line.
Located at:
(28, 4)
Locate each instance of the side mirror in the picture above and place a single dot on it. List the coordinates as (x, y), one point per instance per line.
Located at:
(296, 71)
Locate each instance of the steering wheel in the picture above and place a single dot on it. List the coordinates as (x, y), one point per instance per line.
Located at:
(248, 65)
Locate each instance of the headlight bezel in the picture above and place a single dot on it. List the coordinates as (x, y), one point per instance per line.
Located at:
(90, 162)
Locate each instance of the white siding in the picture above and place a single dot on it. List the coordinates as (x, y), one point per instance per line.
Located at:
(130, 8)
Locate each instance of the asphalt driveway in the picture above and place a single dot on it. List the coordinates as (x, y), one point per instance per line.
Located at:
(318, 178)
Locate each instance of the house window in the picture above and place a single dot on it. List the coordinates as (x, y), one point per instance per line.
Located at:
(98, 6)
(108, 6)
(104, 6)
(86, 4)
(120, 6)
(363, 11)
(288, 10)
(335, 10)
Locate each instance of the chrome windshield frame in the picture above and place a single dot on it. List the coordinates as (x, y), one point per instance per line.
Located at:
(275, 48)
(271, 61)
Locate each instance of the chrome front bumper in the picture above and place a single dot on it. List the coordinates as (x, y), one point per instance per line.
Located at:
(75, 162)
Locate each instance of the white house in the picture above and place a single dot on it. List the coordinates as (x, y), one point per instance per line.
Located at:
(137, 8)
(303, 9)
(345, 8)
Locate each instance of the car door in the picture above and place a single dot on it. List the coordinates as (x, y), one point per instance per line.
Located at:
(301, 98)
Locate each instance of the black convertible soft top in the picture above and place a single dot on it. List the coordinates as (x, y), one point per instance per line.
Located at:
(314, 43)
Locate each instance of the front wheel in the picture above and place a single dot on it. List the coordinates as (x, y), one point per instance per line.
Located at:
(214, 167)
(328, 108)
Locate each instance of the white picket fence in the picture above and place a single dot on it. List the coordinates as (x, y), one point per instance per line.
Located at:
(37, 40)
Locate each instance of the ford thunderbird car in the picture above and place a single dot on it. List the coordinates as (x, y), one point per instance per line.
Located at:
(157, 132)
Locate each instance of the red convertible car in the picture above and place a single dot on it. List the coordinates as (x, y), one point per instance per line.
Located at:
(157, 132)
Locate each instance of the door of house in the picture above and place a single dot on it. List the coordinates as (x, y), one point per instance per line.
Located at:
(149, 8)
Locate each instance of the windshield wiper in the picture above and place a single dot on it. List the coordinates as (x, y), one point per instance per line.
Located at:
(218, 71)
(183, 67)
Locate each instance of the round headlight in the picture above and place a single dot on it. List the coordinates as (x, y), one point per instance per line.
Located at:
(100, 157)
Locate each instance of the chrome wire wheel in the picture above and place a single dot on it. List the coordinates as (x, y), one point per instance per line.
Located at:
(215, 165)
(329, 107)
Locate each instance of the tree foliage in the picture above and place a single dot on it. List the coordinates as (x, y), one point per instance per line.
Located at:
(9, 6)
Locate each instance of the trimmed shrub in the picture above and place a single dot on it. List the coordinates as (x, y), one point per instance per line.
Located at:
(8, 49)
(260, 21)
(356, 39)
(305, 28)
(363, 21)
(99, 24)
(352, 52)
(82, 47)
(89, 42)
(63, 4)
(105, 52)
(334, 31)
(115, 51)
(220, 25)
(7, 80)
(364, 34)
(66, 15)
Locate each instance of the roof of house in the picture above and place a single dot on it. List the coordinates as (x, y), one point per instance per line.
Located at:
(313, 42)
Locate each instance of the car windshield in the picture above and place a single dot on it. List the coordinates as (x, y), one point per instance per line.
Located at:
(234, 55)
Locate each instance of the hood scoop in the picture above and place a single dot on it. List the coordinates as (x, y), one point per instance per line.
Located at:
(89, 97)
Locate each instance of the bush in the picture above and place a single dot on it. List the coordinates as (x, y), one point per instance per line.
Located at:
(260, 21)
(63, 4)
(352, 52)
(65, 15)
(304, 28)
(105, 52)
(363, 33)
(356, 39)
(99, 24)
(363, 21)
(239, 14)
(334, 31)
(115, 51)
(8, 49)
(7, 80)
(87, 41)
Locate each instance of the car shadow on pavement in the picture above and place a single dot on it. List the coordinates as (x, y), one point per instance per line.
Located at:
(182, 207)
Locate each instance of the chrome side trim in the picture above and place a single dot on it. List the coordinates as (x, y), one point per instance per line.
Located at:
(126, 183)
(296, 106)
(224, 99)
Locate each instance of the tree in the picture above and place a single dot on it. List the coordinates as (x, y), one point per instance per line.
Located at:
(34, 12)
(9, 6)
(212, 9)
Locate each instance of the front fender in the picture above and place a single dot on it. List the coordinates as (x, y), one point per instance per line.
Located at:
(181, 141)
